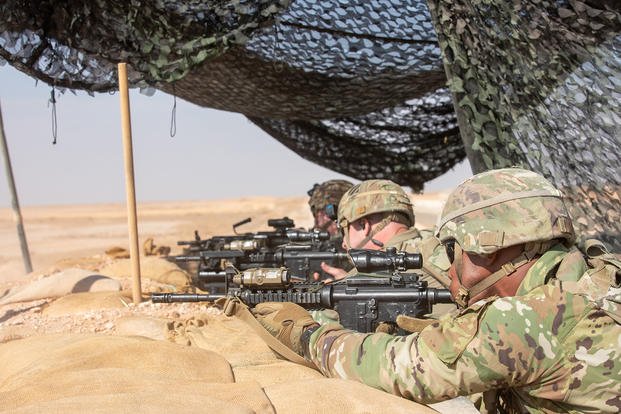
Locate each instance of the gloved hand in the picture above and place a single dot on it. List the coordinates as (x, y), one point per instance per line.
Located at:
(413, 325)
(285, 321)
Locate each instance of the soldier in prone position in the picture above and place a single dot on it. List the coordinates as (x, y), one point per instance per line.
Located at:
(539, 324)
(377, 215)
(324, 203)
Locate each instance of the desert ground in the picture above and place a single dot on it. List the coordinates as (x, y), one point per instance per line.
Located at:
(57, 233)
(72, 322)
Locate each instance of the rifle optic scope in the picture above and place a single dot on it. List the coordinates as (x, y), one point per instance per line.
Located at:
(389, 260)
(301, 236)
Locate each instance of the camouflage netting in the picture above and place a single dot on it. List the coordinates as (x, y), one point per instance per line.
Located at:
(538, 84)
(360, 87)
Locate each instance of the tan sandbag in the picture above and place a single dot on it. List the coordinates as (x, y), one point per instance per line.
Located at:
(136, 395)
(116, 252)
(61, 284)
(78, 373)
(155, 400)
(275, 373)
(151, 249)
(337, 396)
(154, 268)
(87, 301)
(228, 336)
(154, 328)
(52, 354)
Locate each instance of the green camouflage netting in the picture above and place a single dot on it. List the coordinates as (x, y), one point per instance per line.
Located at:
(538, 84)
(361, 87)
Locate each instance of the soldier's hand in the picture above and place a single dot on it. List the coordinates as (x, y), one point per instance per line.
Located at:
(413, 325)
(336, 272)
(285, 321)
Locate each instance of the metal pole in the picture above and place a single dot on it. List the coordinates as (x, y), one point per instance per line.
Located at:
(128, 156)
(14, 202)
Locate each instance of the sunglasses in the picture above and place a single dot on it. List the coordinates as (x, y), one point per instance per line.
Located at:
(331, 211)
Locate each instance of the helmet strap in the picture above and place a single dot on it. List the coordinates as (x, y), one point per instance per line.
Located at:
(379, 227)
(464, 294)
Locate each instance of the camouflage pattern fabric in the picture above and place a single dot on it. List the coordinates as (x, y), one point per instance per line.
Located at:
(505, 207)
(544, 350)
(435, 263)
(329, 192)
(324, 316)
(374, 196)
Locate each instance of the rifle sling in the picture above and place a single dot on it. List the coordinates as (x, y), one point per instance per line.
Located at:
(239, 309)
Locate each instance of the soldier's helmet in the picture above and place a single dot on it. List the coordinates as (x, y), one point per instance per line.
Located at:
(374, 196)
(502, 208)
(327, 194)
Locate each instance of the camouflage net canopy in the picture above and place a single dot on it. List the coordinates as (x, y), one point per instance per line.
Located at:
(361, 87)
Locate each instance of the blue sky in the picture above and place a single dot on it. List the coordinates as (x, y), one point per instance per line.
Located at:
(214, 154)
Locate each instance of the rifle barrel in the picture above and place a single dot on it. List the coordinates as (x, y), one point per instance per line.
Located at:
(439, 295)
(187, 258)
(183, 297)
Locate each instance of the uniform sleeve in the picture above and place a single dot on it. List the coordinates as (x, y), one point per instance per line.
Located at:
(460, 355)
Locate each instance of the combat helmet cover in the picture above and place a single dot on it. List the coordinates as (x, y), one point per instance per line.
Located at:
(374, 196)
(328, 192)
(502, 208)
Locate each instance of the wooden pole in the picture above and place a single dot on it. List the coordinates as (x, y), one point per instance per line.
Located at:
(130, 191)
(17, 215)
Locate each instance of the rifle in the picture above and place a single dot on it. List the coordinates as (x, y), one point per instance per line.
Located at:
(300, 260)
(283, 233)
(362, 301)
(299, 250)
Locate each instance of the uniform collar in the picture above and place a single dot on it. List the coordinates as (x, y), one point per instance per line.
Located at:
(398, 240)
(548, 264)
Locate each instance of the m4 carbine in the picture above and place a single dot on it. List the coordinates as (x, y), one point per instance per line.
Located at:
(284, 232)
(362, 301)
(299, 250)
(300, 260)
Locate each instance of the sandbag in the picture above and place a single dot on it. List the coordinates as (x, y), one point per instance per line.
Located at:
(87, 301)
(227, 336)
(149, 327)
(337, 396)
(276, 372)
(154, 268)
(60, 284)
(98, 373)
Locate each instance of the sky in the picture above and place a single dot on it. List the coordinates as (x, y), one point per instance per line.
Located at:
(213, 155)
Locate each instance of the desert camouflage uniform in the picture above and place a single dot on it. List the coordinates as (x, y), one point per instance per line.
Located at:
(388, 198)
(548, 349)
(385, 196)
(554, 346)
